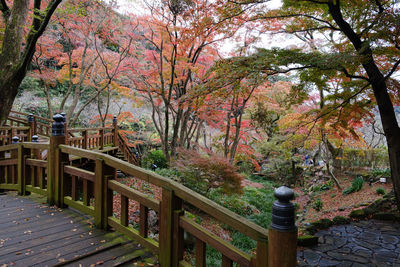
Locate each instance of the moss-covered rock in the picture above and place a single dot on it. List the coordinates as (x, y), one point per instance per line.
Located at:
(322, 224)
(357, 214)
(341, 220)
(307, 240)
(317, 225)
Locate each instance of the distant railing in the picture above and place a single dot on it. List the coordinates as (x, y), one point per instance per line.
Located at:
(8, 132)
(91, 138)
(91, 190)
(127, 151)
(26, 125)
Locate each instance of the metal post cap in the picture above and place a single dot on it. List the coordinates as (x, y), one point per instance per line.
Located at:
(15, 139)
(58, 117)
(57, 128)
(35, 139)
(64, 116)
(30, 118)
(283, 211)
(284, 194)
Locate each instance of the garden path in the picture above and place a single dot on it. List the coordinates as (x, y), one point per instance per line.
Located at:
(364, 243)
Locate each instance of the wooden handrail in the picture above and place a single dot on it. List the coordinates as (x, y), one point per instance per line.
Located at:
(9, 147)
(64, 183)
(230, 218)
(35, 116)
(172, 221)
(17, 128)
(126, 150)
(74, 130)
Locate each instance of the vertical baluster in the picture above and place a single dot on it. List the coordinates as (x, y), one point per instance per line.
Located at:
(23, 170)
(74, 188)
(42, 182)
(86, 193)
(2, 171)
(200, 253)
(14, 155)
(2, 177)
(33, 175)
(144, 226)
(226, 262)
(124, 210)
(178, 239)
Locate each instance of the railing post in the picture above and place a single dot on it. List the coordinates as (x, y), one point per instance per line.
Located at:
(10, 136)
(99, 189)
(65, 126)
(169, 204)
(178, 239)
(23, 170)
(103, 196)
(115, 131)
(54, 160)
(101, 132)
(32, 127)
(13, 170)
(282, 233)
(85, 143)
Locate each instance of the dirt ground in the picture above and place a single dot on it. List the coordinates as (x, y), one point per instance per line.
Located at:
(334, 203)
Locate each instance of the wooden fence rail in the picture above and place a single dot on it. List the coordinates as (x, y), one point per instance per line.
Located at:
(91, 187)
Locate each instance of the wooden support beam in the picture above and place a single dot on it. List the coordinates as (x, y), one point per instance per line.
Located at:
(200, 253)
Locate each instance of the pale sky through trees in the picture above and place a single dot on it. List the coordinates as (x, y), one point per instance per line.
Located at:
(135, 7)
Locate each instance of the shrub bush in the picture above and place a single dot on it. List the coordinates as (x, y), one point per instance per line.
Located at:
(317, 205)
(356, 185)
(155, 157)
(380, 191)
(203, 172)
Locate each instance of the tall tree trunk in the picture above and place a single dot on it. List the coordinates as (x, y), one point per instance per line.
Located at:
(11, 71)
(379, 87)
(14, 62)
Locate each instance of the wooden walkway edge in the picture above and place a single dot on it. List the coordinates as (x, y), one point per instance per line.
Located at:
(34, 234)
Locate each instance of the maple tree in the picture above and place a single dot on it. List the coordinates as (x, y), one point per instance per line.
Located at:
(85, 52)
(362, 48)
(180, 40)
(18, 41)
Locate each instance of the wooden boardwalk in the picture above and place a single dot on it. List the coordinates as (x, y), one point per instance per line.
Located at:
(34, 234)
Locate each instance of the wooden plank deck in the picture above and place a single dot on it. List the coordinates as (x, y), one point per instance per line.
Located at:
(34, 234)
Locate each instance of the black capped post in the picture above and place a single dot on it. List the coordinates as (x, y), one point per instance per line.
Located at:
(35, 139)
(57, 128)
(55, 160)
(15, 140)
(32, 126)
(65, 126)
(282, 233)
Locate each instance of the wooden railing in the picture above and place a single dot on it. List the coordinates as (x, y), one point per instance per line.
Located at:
(91, 138)
(100, 184)
(39, 125)
(64, 183)
(22, 169)
(127, 151)
(91, 189)
(26, 125)
(7, 133)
